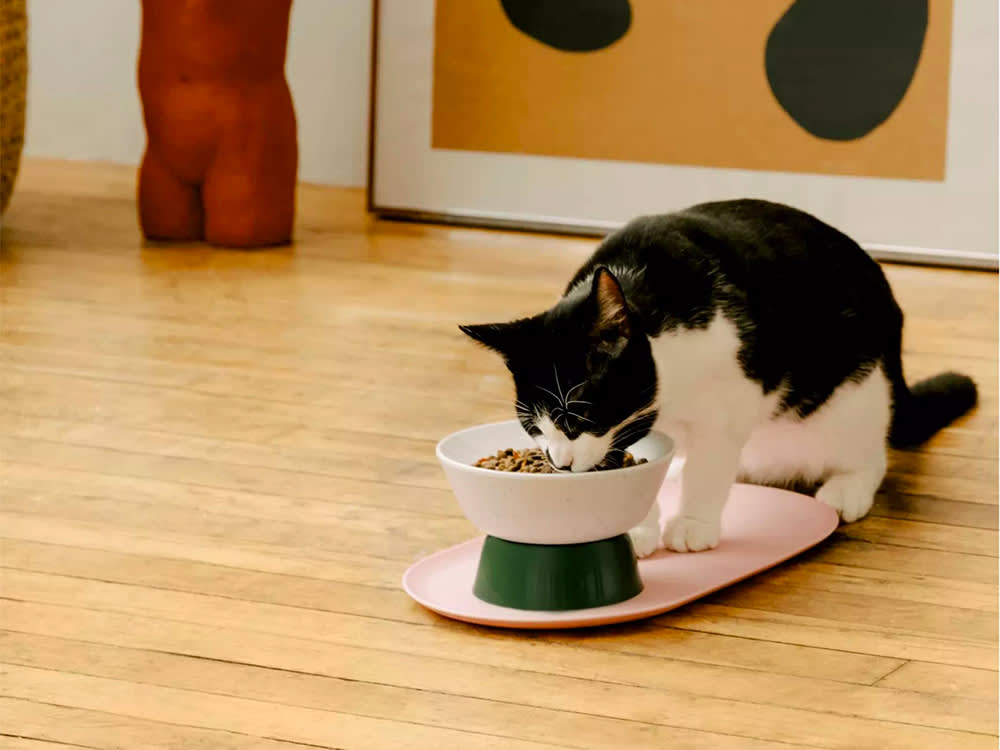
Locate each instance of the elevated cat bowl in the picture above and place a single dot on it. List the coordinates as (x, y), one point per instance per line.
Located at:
(554, 541)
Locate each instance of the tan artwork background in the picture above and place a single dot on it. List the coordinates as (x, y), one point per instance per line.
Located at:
(686, 85)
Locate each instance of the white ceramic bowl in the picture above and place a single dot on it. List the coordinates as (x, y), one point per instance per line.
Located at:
(550, 508)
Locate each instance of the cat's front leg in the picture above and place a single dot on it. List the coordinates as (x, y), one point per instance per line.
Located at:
(709, 472)
(646, 536)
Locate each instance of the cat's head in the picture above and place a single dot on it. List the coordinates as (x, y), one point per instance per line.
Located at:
(583, 372)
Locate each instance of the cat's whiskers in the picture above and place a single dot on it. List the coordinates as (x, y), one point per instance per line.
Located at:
(629, 434)
(633, 428)
(562, 398)
(556, 414)
(546, 390)
(640, 421)
(523, 410)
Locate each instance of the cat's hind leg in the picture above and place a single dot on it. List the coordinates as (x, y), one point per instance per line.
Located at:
(852, 493)
(855, 425)
(840, 447)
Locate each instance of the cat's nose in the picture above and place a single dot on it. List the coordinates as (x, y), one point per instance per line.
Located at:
(563, 465)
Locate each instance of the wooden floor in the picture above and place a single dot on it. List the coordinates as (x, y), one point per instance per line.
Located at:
(217, 465)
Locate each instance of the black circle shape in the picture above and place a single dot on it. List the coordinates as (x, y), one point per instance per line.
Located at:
(571, 25)
(839, 68)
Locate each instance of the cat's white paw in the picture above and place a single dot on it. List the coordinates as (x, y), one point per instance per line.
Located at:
(645, 540)
(686, 534)
(851, 498)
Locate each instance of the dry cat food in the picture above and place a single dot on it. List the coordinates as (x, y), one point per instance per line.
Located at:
(533, 461)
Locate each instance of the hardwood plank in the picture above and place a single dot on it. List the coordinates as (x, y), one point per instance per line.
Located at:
(864, 609)
(960, 442)
(383, 501)
(955, 566)
(219, 417)
(390, 534)
(894, 585)
(954, 488)
(111, 730)
(319, 565)
(217, 464)
(774, 625)
(922, 535)
(270, 378)
(937, 510)
(942, 465)
(11, 742)
(943, 679)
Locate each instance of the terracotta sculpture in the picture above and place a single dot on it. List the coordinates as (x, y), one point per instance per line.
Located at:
(221, 155)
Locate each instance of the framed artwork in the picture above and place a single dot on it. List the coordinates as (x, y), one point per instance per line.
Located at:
(878, 116)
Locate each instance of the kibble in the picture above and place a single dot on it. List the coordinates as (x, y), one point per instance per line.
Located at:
(533, 461)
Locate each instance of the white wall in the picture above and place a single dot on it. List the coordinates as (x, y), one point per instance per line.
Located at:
(83, 102)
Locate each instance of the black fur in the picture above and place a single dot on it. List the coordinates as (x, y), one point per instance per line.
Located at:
(930, 405)
(812, 309)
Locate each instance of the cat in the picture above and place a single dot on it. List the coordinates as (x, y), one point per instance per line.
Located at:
(765, 342)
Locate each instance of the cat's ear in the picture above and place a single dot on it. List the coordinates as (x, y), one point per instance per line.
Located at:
(500, 337)
(613, 324)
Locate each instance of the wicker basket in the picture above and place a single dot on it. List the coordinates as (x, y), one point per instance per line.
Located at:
(13, 85)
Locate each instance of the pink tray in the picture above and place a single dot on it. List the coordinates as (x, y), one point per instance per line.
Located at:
(761, 527)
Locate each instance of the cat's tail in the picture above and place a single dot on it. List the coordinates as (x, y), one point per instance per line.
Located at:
(923, 409)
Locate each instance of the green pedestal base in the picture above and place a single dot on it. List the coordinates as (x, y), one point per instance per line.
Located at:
(559, 576)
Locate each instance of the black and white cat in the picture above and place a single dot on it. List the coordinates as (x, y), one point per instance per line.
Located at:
(765, 342)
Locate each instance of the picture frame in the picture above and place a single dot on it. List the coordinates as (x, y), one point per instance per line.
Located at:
(948, 220)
